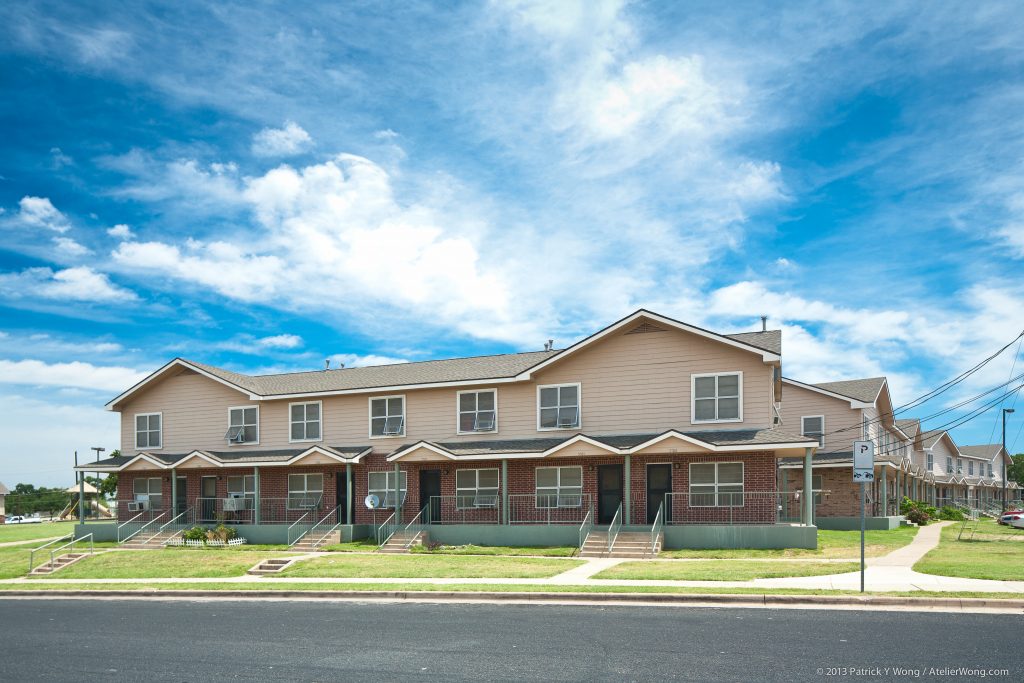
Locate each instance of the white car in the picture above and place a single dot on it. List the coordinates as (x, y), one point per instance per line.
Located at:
(1011, 517)
(19, 519)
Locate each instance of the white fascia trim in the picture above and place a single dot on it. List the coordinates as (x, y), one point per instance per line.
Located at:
(854, 403)
(141, 456)
(766, 356)
(398, 455)
(174, 363)
(197, 454)
(810, 443)
(325, 451)
(582, 438)
(667, 435)
(815, 466)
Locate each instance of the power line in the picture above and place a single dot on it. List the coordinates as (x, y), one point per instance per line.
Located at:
(995, 424)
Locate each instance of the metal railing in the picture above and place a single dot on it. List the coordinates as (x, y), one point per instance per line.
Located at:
(243, 510)
(734, 508)
(585, 528)
(181, 521)
(659, 522)
(320, 532)
(32, 553)
(615, 527)
(133, 529)
(297, 529)
(532, 508)
(55, 552)
(386, 530)
(463, 509)
(417, 526)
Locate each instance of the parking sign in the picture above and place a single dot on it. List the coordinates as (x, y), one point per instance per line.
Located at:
(863, 461)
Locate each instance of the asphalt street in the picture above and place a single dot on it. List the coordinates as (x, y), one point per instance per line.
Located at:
(164, 640)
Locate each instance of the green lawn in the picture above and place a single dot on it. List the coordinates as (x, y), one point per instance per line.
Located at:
(27, 532)
(166, 563)
(432, 566)
(361, 546)
(726, 570)
(539, 551)
(832, 545)
(980, 558)
(14, 560)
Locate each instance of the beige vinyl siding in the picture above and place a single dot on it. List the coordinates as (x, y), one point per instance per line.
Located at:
(941, 451)
(798, 402)
(629, 383)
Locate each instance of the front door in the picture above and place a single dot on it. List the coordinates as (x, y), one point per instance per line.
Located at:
(430, 493)
(181, 502)
(342, 497)
(609, 492)
(659, 482)
(208, 499)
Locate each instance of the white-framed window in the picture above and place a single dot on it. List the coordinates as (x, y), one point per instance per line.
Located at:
(241, 486)
(716, 397)
(382, 485)
(243, 425)
(559, 487)
(813, 426)
(387, 416)
(149, 431)
(931, 462)
(959, 466)
(304, 421)
(476, 488)
(949, 465)
(817, 484)
(990, 470)
(970, 467)
(149, 489)
(716, 484)
(305, 491)
(477, 411)
(558, 406)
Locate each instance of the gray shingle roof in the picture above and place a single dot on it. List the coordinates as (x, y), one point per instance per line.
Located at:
(987, 451)
(771, 340)
(909, 427)
(929, 438)
(865, 390)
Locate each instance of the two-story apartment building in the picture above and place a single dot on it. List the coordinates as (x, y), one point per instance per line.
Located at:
(981, 470)
(650, 421)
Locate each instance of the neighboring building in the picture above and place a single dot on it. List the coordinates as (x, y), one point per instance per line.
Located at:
(986, 477)
(650, 414)
(3, 494)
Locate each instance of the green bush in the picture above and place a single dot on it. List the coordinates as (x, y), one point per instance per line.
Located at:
(221, 533)
(196, 533)
(951, 513)
(917, 511)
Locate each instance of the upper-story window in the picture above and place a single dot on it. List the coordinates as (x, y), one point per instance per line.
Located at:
(990, 469)
(148, 430)
(304, 421)
(970, 467)
(243, 425)
(959, 466)
(558, 406)
(717, 398)
(949, 465)
(478, 411)
(387, 416)
(931, 462)
(814, 427)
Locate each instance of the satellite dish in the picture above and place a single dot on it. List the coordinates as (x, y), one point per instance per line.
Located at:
(372, 502)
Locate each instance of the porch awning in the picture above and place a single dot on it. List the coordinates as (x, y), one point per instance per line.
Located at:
(201, 458)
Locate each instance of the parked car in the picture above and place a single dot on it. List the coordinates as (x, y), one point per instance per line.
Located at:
(21, 519)
(1017, 523)
(1011, 516)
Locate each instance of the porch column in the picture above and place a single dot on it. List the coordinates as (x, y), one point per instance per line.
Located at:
(174, 493)
(884, 493)
(81, 497)
(782, 494)
(504, 491)
(256, 488)
(348, 493)
(398, 493)
(627, 494)
(808, 516)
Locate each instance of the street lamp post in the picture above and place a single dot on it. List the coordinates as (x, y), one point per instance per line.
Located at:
(1005, 468)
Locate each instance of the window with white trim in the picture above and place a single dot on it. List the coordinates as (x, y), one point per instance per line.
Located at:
(970, 467)
(959, 466)
(476, 488)
(817, 484)
(990, 470)
(382, 485)
(813, 426)
(931, 462)
(387, 416)
(304, 421)
(949, 465)
(559, 487)
(243, 425)
(305, 491)
(716, 398)
(558, 406)
(478, 411)
(242, 486)
(148, 430)
(149, 489)
(716, 484)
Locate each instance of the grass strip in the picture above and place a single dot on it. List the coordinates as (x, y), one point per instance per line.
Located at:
(722, 570)
(429, 566)
(978, 558)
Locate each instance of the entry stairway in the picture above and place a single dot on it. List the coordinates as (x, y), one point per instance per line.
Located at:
(146, 541)
(58, 564)
(401, 541)
(625, 544)
(314, 541)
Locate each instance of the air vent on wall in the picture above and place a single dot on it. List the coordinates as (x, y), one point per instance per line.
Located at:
(643, 328)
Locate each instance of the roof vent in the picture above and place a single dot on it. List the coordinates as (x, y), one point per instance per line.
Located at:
(645, 327)
(764, 323)
(327, 364)
(549, 345)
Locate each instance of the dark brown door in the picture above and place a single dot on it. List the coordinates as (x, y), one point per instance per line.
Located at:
(609, 492)
(208, 499)
(430, 494)
(659, 482)
(342, 497)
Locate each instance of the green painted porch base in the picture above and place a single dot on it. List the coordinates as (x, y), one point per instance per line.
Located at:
(853, 523)
(715, 536)
(101, 531)
(269, 534)
(505, 534)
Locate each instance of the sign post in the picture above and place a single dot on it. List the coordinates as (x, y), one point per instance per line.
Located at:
(863, 472)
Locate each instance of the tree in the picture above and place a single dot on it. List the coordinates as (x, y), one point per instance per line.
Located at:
(1016, 471)
(107, 486)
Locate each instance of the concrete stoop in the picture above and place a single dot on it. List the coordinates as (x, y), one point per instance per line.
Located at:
(628, 545)
(58, 564)
(308, 544)
(147, 541)
(401, 541)
(272, 566)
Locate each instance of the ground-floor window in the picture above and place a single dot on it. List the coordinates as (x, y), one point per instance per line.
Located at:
(817, 485)
(476, 488)
(305, 491)
(559, 487)
(241, 488)
(716, 484)
(382, 485)
(149, 489)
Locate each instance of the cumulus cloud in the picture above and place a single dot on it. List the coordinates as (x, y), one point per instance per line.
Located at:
(281, 341)
(75, 374)
(70, 284)
(352, 360)
(69, 247)
(281, 142)
(39, 212)
(121, 232)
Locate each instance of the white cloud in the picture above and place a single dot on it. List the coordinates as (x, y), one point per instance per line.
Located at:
(281, 142)
(121, 232)
(281, 341)
(39, 212)
(351, 360)
(69, 247)
(75, 374)
(71, 284)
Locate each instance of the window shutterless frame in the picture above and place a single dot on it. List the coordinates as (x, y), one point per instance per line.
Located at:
(718, 397)
(476, 488)
(159, 431)
(382, 485)
(562, 488)
(817, 433)
(243, 425)
(559, 407)
(306, 422)
(477, 411)
(713, 490)
(389, 419)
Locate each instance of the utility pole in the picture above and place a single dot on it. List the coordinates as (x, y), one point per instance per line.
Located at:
(1005, 468)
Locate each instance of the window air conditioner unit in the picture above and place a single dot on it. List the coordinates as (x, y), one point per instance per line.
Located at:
(138, 506)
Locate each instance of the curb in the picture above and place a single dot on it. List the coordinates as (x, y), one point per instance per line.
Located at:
(508, 596)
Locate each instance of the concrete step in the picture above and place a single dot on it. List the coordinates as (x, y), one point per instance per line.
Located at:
(272, 566)
(58, 563)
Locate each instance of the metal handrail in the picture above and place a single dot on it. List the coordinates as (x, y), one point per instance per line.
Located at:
(32, 553)
(141, 528)
(417, 525)
(291, 529)
(585, 528)
(389, 523)
(170, 523)
(614, 527)
(124, 524)
(659, 521)
(55, 551)
(313, 531)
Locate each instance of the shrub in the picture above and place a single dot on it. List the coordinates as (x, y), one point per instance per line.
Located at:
(951, 513)
(196, 533)
(917, 511)
(221, 533)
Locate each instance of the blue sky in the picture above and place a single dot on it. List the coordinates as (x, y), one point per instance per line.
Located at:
(264, 186)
